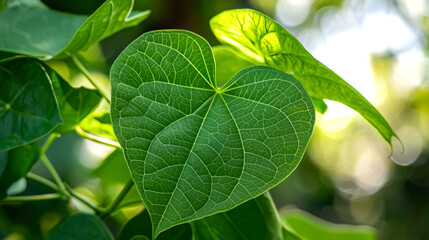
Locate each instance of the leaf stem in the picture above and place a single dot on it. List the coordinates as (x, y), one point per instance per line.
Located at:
(87, 202)
(86, 73)
(98, 139)
(48, 142)
(54, 173)
(43, 181)
(40, 197)
(112, 206)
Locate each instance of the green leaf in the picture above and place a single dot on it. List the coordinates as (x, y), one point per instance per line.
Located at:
(254, 220)
(99, 123)
(3, 4)
(319, 105)
(15, 164)
(194, 149)
(228, 63)
(28, 109)
(75, 103)
(114, 168)
(264, 41)
(308, 227)
(60, 35)
(80, 227)
(141, 225)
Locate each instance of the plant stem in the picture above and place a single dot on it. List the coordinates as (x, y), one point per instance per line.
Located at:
(54, 173)
(48, 196)
(112, 206)
(48, 142)
(43, 181)
(129, 203)
(88, 203)
(98, 139)
(86, 73)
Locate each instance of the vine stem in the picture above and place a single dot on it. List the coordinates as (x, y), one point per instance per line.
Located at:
(112, 206)
(54, 174)
(40, 197)
(43, 181)
(88, 203)
(86, 73)
(98, 139)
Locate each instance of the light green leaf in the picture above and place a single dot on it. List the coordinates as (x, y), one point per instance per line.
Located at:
(28, 109)
(75, 103)
(15, 164)
(141, 225)
(254, 220)
(308, 227)
(99, 123)
(228, 63)
(319, 105)
(80, 227)
(264, 41)
(194, 149)
(40, 32)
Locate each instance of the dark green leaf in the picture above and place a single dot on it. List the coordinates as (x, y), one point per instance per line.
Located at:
(41, 32)
(264, 41)
(75, 103)
(194, 149)
(254, 220)
(80, 227)
(141, 225)
(308, 227)
(28, 109)
(3, 4)
(15, 164)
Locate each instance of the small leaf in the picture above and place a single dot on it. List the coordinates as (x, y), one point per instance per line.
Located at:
(74, 103)
(15, 164)
(194, 149)
(28, 109)
(99, 123)
(80, 227)
(254, 220)
(308, 227)
(140, 225)
(264, 41)
(319, 105)
(60, 35)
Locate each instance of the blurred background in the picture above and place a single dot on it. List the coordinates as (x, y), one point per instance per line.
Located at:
(349, 174)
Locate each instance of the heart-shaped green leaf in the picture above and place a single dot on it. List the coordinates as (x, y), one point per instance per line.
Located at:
(264, 41)
(29, 27)
(195, 149)
(28, 108)
(80, 227)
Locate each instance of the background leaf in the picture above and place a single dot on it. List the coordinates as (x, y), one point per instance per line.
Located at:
(309, 227)
(40, 32)
(74, 103)
(256, 219)
(264, 41)
(80, 227)
(99, 123)
(114, 168)
(15, 164)
(28, 108)
(194, 149)
(141, 225)
(228, 63)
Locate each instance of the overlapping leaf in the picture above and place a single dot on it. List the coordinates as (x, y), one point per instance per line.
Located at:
(254, 220)
(74, 103)
(80, 227)
(195, 149)
(29, 27)
(28, 108)
(264, 41)
(15, 164)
